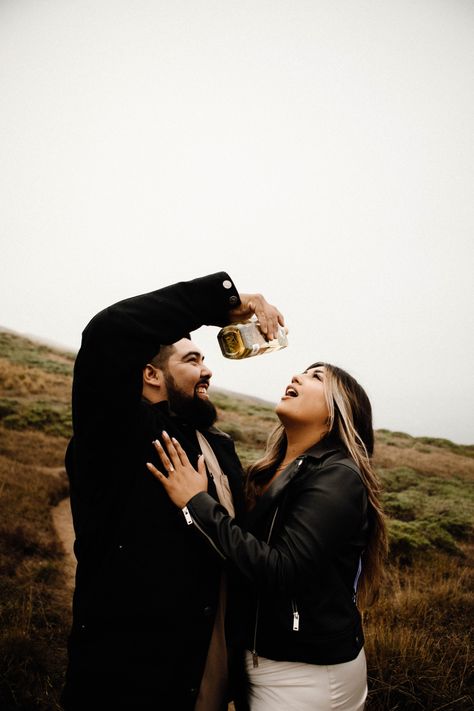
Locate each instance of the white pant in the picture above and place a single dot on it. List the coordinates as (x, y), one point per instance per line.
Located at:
(280, 686)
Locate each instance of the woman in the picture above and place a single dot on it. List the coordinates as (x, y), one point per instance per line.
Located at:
(314, 543)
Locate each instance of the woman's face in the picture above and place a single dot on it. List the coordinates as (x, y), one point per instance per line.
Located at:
(304, 400)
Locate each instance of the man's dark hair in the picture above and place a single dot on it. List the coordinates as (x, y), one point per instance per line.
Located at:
(160, 360)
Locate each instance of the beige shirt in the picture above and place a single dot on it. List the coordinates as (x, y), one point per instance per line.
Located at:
(220, 479)
(213, 690)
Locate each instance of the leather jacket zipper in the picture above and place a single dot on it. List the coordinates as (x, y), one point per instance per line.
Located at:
(296, 616)
(190, 520)
(254, 650)
(356, 581)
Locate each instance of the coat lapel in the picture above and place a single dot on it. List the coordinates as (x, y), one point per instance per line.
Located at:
(269, 499)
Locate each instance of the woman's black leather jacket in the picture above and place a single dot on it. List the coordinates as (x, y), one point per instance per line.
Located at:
(298, 558)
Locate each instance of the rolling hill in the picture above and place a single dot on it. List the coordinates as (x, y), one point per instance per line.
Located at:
(418, 643)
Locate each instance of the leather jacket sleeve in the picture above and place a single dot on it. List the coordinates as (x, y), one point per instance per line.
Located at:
(324, 513)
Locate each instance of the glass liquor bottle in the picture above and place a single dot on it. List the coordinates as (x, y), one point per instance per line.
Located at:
(245, 340)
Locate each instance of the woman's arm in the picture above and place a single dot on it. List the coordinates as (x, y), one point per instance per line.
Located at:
(325, 511)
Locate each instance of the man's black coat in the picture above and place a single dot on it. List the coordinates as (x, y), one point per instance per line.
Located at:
(146, 583)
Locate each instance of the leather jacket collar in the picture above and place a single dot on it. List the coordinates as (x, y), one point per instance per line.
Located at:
(320, 451)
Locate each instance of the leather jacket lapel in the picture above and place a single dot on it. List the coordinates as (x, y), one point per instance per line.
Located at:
(269, 498)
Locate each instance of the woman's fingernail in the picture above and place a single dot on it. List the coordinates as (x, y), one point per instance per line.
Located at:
(165, 433)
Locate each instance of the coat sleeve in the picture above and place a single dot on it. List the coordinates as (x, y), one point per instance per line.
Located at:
(120, 340)
(323, 515)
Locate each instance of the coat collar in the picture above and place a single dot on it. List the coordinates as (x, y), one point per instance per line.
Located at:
(319, 452)
(220, 442)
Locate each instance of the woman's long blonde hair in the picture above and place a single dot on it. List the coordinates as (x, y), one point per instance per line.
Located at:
(349, 426)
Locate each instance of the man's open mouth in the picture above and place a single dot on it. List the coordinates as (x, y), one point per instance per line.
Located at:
(201, 389)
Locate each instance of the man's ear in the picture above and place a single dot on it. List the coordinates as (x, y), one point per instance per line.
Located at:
(153, 376)
(154, 385)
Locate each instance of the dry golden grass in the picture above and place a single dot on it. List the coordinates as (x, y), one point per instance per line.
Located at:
(34, 617)
(419, 638)
(31, 447)
(435, 461)
(25, 381)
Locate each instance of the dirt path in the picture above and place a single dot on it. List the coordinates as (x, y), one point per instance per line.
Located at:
(62, 521)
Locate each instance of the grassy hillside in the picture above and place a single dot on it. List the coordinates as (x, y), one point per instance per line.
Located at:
(418, 646)
(35, 385)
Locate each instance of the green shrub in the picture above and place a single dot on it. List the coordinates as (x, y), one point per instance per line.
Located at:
(41, 415)
(465, 450)
(407, 539)
(402, 506)
(21, 350)
(399, 478)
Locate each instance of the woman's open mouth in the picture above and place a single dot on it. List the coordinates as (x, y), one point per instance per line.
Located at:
(290, 392)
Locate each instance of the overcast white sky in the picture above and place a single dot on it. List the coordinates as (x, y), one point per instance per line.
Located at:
(319, 151)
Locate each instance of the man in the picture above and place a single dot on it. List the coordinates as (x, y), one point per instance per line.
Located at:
(147, 586)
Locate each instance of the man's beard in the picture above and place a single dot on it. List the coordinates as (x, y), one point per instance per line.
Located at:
(194, 410)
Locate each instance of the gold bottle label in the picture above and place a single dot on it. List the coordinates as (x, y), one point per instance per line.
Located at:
(244, 340)
(231, 343)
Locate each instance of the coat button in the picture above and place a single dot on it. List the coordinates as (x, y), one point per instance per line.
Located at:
(207, 611)
(193, 691)
(227, 284)
(233, 299)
